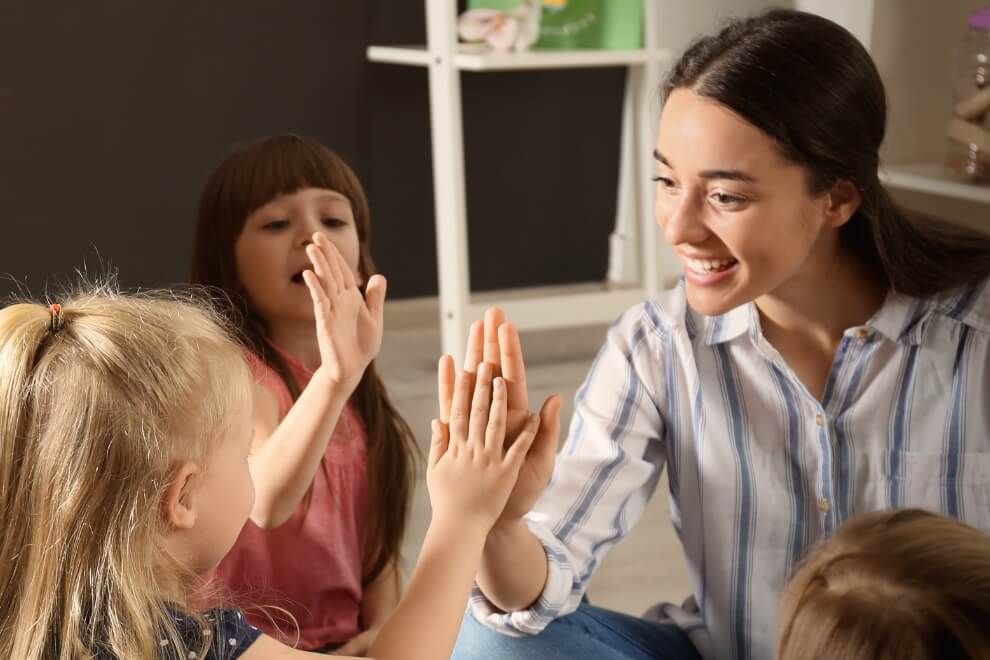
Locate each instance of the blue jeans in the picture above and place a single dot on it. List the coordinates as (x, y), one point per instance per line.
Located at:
(590, 633)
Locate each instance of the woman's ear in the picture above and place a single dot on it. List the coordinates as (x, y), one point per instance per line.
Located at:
(179, 506)
(841, 202)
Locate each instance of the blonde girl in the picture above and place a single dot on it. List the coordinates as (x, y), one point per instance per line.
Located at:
(125, 430)
(332, 459)
(901, 584)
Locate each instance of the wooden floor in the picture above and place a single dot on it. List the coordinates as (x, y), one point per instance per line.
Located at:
(648, 566)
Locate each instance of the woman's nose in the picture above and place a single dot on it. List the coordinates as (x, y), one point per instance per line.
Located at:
(680, 221)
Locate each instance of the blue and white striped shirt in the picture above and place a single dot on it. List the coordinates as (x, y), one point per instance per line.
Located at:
(759, 469)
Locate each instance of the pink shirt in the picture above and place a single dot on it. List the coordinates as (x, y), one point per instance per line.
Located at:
(311, 564)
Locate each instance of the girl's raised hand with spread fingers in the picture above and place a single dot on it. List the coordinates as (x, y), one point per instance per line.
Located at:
(348, 325)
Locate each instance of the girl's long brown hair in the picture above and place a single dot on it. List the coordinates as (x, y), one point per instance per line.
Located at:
(251, 176)
(903, 584)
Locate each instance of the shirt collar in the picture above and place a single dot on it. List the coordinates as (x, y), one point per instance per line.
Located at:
(902, 319)
(724, 327)
(905, 319)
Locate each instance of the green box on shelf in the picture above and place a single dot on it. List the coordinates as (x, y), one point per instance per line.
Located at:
(606, 24)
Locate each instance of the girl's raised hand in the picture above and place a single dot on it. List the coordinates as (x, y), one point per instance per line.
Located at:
(471, 470)
(348, 325)
(496, 343)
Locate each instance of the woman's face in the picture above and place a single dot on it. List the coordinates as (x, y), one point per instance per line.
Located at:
(737, 212)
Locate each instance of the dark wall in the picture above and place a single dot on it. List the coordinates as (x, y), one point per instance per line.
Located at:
(112, 113)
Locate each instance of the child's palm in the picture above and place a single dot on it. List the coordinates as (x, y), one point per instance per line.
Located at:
(348, 325)
(471, 473)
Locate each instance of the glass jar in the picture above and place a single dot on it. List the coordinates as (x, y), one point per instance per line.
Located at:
(968, 132)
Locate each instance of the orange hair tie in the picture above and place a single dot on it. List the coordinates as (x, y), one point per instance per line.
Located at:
(56, 311)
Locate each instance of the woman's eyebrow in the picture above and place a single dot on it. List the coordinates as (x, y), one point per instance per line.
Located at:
(731, 175)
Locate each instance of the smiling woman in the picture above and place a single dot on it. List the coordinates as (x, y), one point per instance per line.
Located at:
(824, 356)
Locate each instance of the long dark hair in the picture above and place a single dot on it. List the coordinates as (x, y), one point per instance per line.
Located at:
(251, 176)
(813, 88)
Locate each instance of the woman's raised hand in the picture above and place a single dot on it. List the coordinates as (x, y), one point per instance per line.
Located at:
(348, 325)
(471, 469)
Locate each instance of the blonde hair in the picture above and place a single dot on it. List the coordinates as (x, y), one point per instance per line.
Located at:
(95, 418)
(902, 584)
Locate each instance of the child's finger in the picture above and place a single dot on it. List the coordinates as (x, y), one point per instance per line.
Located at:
(445, 386)
(494, 317)
(439, 442)
(495, 431)
(322, 268)
(520, 446)
(346, 274)
(327, 249)
(374, 298)
(322, 307)
(460, 410)
(473, 355)
(480, 405)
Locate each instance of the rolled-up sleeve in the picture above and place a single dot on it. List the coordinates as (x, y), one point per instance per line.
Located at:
(604, 475)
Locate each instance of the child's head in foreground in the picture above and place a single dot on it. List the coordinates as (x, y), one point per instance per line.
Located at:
(902, 584)
(124, 433)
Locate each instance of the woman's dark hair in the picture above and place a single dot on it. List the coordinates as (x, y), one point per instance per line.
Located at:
(813, 88)
(251, 176)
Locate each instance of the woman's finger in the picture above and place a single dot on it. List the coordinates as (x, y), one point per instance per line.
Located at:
(513, 368)
(480, 405)
(473, 354)
(494, 317)
(522, 442)
(495, 431)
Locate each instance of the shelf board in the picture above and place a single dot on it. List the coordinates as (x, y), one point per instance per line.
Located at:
(561, 309)
(931, 178)
(533, 59)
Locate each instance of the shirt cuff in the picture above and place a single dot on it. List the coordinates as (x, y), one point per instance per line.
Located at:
(561, 595)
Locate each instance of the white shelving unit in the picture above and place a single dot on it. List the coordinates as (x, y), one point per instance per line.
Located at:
(635, 198)
(931, 178)
(858, 16)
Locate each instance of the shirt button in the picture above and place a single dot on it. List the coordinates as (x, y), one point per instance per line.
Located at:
(823, 505)
(819, 420)
(862, 333)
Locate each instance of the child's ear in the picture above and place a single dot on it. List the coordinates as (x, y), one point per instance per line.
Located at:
(179, 508)
(841, 202)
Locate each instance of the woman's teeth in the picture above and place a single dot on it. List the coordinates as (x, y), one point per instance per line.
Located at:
(705, 266)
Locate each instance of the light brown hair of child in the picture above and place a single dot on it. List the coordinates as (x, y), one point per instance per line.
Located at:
(902, 584)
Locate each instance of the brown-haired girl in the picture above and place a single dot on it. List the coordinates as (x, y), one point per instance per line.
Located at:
(333, 461)
(902, 584)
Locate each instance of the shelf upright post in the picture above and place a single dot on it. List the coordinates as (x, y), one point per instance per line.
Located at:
(636, 250)
(660, 264)
(447, 137)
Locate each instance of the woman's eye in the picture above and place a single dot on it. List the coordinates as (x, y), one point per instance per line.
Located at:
(333, 222)
(724, 199)
(664, 181)
(275, 225)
